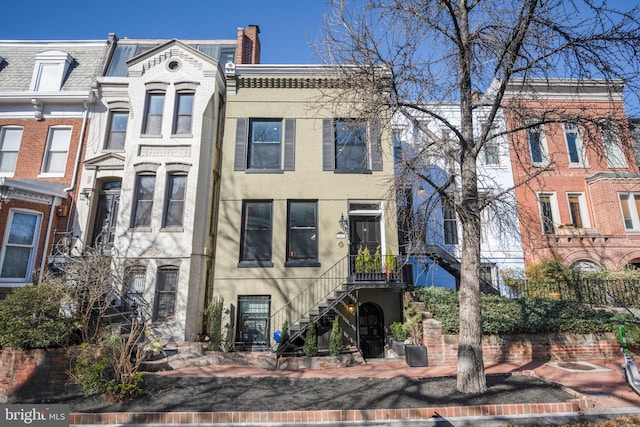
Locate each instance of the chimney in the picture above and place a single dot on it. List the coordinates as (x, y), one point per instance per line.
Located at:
(248, 45)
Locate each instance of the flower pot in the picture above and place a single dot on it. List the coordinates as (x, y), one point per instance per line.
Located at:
(415, 355)
(397, 347)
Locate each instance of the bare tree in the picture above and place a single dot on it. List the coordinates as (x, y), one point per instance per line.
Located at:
(450, 50)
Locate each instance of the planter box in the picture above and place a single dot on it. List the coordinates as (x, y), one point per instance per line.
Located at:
(398, 347)
(415, 355)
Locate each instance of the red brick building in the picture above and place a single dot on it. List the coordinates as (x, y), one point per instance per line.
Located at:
(46, 100)
(579, 193)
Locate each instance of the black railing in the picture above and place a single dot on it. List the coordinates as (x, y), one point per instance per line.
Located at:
(587, 290)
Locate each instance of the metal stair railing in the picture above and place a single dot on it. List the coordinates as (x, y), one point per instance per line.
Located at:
(300, 306)
(451, 263)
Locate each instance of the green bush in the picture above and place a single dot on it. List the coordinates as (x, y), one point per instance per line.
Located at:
(503, 316)
(335, 339)
(89, 368)
(118, 392)
(214, 311)
(398, 332)
(31, 317)
(310, 348)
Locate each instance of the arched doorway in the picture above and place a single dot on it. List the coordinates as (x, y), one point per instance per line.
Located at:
(104, 224)
(371, 330)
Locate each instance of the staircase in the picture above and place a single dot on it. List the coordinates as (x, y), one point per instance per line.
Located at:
(451, 265)
(320, 300)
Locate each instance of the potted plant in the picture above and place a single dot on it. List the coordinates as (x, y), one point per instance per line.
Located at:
(414, 350)
(397, 338)
(391, 266)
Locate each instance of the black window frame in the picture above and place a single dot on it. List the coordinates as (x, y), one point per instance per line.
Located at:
(138, 201)
(246, 230)
(247, 320)
(162, 280)
(170, 200)
(291, 259)
(108, 145)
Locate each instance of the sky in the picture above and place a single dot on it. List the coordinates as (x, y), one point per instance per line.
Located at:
(287, 27)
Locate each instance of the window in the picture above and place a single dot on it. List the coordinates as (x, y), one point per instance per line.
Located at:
(450, 226)
(143, 201)
(397, 146)
(117, 130)
(153, 117)
(49, 71)
(574, 145)
(165, 298)
(135, 277)
(55, 159)
(404, 202)
(264, 144)
(19, 246)
(486, 272)
(255, 241)
(420, 132)
(612, 146)
(578, 210)
(630, 204)
(260, 142)
(491, 147)
(537, 145)
(350, 146)
(10, 137)
(547, 213)
(302, 233)
(174, 205)
(253, 319)
(184, 114)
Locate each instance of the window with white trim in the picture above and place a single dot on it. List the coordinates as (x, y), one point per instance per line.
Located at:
(117, 130)
(630, 205)
(55, 158)
(135, 278)
(183, 113)
(174, 202)
(612, 146)
(548, 212)
(10, 137)
(537, 145)
(578, 210)
(153, 114)
(575, 146)
(20, 245)
(49, 71)
(143, 205)
(491, 147)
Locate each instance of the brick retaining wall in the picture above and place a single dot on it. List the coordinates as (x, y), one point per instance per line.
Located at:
(442, 350)
(32, 374)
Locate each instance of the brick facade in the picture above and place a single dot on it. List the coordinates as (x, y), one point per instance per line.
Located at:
(442, 350)
(601, 238)
(32, 374)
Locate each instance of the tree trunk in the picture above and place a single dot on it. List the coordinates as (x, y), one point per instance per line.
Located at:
(471, 377)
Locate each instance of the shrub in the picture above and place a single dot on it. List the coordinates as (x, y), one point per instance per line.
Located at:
(335, 339)
(214, 311)
(31, 317)
(310, 348)
(502, 316)
(90, 368)
(398, 332)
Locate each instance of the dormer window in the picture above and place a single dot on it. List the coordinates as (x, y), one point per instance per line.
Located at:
(50, 70)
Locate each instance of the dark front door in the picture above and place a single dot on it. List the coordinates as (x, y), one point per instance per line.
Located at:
(364, 232)
(106, 215)
(371, 330)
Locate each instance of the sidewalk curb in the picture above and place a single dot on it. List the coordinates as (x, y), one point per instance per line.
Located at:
(575, 406)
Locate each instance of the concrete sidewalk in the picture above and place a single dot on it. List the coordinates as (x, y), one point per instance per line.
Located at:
(597, 384)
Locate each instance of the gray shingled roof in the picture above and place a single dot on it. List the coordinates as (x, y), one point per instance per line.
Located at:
(19, 59)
